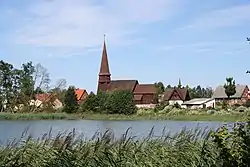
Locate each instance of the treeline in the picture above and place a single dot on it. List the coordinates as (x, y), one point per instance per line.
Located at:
(195, 92)
(18, 86)
(116, 102)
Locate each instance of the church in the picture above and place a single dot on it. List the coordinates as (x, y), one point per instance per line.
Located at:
(143, 93)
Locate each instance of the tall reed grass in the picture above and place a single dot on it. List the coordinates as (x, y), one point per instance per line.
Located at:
(187, 148)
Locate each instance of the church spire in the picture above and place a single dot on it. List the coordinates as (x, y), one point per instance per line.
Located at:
(104, 69)
(104, 74)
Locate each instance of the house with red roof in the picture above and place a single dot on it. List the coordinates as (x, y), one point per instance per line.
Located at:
(81, 95)
(47, 98)
(176, 95)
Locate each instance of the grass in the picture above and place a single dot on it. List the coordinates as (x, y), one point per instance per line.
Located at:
(38, 116)
(174, 114)
(117, 117)
(205, 117)
(187, 148)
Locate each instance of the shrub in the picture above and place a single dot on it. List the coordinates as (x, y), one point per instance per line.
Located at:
(247, 104)
(241, 109)
(161, 106)
(177, 105)
(224, 104)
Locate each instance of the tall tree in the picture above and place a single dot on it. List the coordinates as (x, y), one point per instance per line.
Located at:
(41, 77)
(230, 88)
(70, 101)
(9, 85)
(179, 84)
(160, 87)
(27, 83)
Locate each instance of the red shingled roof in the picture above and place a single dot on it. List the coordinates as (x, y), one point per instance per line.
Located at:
(79, 93)
(43, 97)
(145, 89)
(122, 85)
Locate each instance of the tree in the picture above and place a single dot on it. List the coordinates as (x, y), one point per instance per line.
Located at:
(179, 84)
(230, 88)
(120, 102)
(91, 103)
(169, 86)
(70, 101)
(160, 87)
(9, 85)
(27, 83)
(41, 78)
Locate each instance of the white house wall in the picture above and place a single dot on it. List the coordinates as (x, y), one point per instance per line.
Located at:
(210, 103)
(172, 102)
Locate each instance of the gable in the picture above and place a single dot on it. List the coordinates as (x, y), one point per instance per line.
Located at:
(173, 92)
(175, 96)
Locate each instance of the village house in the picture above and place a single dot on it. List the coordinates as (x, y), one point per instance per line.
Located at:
(176, 95)
(144, 94)
(81, 95)
(240, 97)
(46, 98)
(199, 103)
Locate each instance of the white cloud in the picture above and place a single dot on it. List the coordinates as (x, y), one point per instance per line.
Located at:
(222, 47)
(82, 23)
(228, 17)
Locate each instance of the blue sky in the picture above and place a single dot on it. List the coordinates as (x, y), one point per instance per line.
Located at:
(201, 42)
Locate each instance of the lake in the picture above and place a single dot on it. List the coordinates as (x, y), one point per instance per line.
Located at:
(10, 130)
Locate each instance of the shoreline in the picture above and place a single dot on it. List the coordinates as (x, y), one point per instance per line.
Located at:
(117, 117)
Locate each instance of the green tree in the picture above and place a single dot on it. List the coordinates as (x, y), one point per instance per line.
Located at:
(70, 101)
(120, 102)
(179, 84)
(27, 83)
(230, 88)
(9, 85)
(160, 87)
(91, 103)
(169, 86)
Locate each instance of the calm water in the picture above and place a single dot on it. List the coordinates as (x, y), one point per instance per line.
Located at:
(10, 130)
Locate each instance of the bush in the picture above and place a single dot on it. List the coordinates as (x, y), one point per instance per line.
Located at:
(177, 105)
(160, 106)
(241, 109)
(224, 104)
(247, 104)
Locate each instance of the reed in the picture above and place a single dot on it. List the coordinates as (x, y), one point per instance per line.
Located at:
(187, 148)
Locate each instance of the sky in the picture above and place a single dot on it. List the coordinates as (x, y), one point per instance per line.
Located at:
(200, 42)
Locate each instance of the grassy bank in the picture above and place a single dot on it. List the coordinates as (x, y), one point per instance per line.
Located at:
(141, 115)
(39, 116)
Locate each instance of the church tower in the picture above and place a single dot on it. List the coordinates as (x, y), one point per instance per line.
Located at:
(104, 74)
